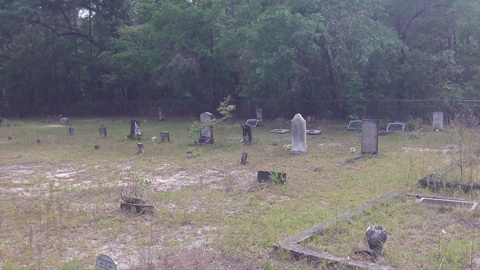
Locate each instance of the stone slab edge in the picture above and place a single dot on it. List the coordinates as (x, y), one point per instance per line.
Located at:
(293, 244)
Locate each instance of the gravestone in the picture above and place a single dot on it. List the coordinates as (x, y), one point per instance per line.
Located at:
(105, 262)
(64, 121)
(376, 237)
(133, 126)
(279, 123)
(280, 131)
(438, 121)
(71, 130)
(243, 161)
(206, 128)
(189, 153)
(102, 131)
(164, 136)
(354, 125)
(370, 136)
(9, 138)
(252, 122)
(96, 147)
(314, 132)
(299, 134)
(161, 116)
(259, 114)
(247, 134)
(395, 127)
(140, 148)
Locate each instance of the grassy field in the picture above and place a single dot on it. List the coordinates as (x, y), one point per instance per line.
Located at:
(59, 198)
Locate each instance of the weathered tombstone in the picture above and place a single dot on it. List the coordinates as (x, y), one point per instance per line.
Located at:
(280, 123)
(164, 136)
(161, 116)
(105, 262)
(243, 161)
(313, 132)
(299, 134)
(395, 127)
(370, 136)
(102, 131)
(206, 128)
(189, 153)
(134, 128)
(96, 147)
(247, 134)
(354, 125)
(64, 121)
(259, 114)
(438, 121)
(376, 237)
(252, 122)
(71, 130)
(140, 148)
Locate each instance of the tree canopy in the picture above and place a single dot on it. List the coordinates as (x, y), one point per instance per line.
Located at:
(67, 51)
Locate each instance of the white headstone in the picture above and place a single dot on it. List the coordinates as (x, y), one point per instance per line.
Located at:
(105, 262)
(438, 121)
(259, 114)
(369, 136)
(206, 128)
(299, 134)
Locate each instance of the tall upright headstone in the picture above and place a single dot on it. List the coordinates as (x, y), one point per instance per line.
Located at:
(438, 121)
(206, 128)
(247, 134)
(299, 134)
(259, 114)
(133, 125)
(161, 116)
(102, 131)
(370, 136)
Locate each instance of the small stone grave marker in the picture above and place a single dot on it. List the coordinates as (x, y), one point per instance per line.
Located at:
(313, 132)
(396, 127)
(9, 138)
(164, 136)
(247, 134)
(141, 150)
(271, 176)
(370, 136)
(252, 122)
(259, 115)
(206, 128)
(376, 237)
(437, 121)
(189, 154)
(102, 131)
(134, 128)
(96, 147)
(105, 262)
(64, 121)
(71, 130)
(243, 161)
(299, 134)
(354, 125)
(279, 123)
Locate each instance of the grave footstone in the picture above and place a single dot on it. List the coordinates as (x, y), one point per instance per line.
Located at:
(299, 135)
(314, 132)
(259, 114)
(243, 161)
(354, 125)
(141, 150)
(280, 123)
(376, 237)
(395, 127)
(64, 121)
(102, 131)
(271, 176)
(189, 153)
(247, 134)
(71, 130)
(370, 136)
(161, 116)
(164, 136)
(96, 147)
(206, 128)
(438, 121)
(252, 122)
(105, 262)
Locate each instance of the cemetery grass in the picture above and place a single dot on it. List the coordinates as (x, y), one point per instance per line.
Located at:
(60, 197)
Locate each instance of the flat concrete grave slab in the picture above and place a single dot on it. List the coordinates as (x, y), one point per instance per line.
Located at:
(354, 125)
(252, 122)
(449, 202)
(335, 242)
(271, 176)
(396, 127)
(279, 131)
(314, 132)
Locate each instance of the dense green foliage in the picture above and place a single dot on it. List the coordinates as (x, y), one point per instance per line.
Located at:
(70, 51)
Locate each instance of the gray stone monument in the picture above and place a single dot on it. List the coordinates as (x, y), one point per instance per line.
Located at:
(370, 136)
(354, 125)
(259, 114)
(252, 122)
(280, 123)
(299, 134)
(102, 131)
(141, 150)
(105, 262)
(395, 127)
(164, 136)
(161, 116)
(206, 128)
(247, 134)
(64, 121)
(376, 237)
(243, 161)
(438, 121)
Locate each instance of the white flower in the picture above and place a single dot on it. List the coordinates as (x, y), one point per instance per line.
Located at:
(287, 146)
(352, 150)
(154, 139)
